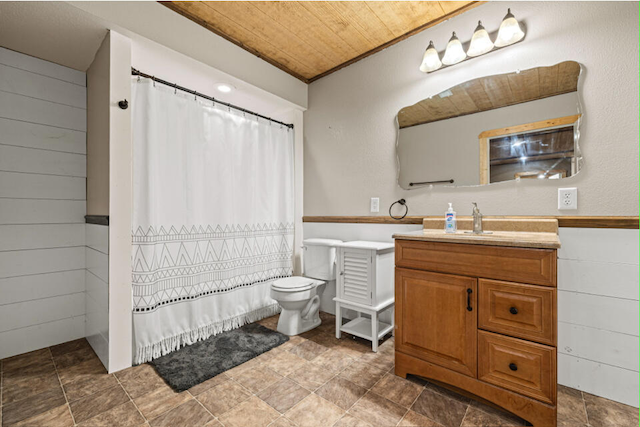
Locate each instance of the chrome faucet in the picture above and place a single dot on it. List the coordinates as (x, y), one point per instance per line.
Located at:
(477, 219)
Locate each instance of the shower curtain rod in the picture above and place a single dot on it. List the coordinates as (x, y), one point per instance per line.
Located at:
(139, 73)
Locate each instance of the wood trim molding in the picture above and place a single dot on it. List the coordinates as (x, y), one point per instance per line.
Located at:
(626, 222)
(542, 124)
(484, 160)
(97, 219)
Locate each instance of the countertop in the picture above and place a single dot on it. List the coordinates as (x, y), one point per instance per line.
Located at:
(522, 239)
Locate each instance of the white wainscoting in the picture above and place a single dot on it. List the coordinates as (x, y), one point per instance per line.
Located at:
(42, 203)
(598, 312)
(597, 303)
(97, 290)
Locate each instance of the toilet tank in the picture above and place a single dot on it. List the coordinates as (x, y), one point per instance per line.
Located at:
(319, 259)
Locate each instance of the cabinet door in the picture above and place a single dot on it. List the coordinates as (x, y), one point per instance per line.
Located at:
(355, 280)
(436, 318)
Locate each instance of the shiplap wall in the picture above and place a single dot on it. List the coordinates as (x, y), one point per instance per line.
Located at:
(97, 290)
(42, 203)
(598, 312)
(597, 303)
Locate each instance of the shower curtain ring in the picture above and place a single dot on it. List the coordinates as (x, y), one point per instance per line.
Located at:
(175, 88)
(154, 80)
(195, 95)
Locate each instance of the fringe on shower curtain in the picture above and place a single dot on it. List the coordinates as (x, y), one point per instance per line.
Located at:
(167, 345)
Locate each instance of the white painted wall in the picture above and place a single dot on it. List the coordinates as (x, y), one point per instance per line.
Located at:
(42, 203)
(597, 303)
(433, 151)
(350, 132)
(120, 205)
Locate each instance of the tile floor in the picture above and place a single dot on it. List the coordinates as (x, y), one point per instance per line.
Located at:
(312, 380)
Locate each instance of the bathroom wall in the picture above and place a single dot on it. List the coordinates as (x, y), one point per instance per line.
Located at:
(598, 312)
(42, 203)
(597, 303)
(433, 151)
(109, 181)
(97, 290)
(120, 205)
(97, 236)
(98, 131)
(350, 132)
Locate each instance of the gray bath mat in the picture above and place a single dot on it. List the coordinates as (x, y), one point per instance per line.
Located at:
(196, 363)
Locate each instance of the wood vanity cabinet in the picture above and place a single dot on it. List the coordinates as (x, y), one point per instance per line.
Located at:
(480, 320)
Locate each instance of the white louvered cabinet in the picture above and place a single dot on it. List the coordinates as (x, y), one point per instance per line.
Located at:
(365, 284)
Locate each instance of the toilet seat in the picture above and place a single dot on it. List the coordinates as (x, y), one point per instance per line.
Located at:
(295, 284)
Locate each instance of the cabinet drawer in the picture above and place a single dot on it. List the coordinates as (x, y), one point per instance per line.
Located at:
(522, 311)
(536, 266)
(524, 367)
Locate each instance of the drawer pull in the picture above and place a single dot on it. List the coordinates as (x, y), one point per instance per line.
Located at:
(513, 310)
(513, 366)
(469, 291)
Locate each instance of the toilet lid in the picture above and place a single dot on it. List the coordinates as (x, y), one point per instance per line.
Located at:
(295, 284)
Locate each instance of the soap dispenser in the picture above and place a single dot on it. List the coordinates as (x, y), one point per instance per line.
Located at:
(450, 221)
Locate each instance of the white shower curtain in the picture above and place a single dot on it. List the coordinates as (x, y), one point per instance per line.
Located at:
(212, 218)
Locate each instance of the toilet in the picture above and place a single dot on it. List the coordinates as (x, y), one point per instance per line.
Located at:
(299, 296)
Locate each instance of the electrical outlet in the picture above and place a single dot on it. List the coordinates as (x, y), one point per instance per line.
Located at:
(567, 198)
(375, 204)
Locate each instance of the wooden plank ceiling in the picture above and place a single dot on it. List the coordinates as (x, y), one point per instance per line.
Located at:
(311, 39)
(491, 92)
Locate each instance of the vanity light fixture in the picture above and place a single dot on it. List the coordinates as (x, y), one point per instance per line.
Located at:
(510, 32)
(454, 52)
(430, 60)
(480, 42)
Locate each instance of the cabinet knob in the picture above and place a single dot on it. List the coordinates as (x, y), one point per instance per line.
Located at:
(513, 310)
(513, 366)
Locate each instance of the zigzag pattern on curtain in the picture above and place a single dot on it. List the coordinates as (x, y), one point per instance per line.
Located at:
(181, 265)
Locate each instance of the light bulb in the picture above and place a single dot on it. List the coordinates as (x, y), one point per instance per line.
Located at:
(509, 32)
(455, 52)
(224, 88)
(480, 42)
(430, 60)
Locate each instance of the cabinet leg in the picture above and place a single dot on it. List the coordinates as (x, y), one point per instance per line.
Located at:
(374, 332)
(338, 320)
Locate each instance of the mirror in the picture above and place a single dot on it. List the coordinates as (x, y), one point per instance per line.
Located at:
(521, 125)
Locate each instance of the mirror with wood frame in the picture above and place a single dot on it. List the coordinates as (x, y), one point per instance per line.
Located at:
(521, 125)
